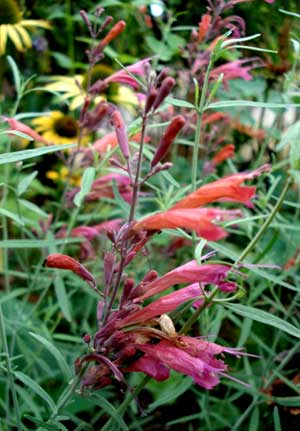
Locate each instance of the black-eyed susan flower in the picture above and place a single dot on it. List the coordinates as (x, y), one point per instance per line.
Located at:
(57, 128)
(75, 88)
(14, 27)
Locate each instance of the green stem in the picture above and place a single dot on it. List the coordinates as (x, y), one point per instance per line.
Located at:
(10, 371)
(64, 399)
(200, 110)
(123, 407)
(194, 317)
(4, 220)
(265, 225)
(136, 184)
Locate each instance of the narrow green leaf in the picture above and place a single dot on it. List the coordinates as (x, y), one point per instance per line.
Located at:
(86, 184)
(17, 156)
(13, 294)
(33, 207)
(229, 42)
(276, 417)
(248, 104)
(296, 15)
(12, 216)
(36, 243)
(170, 395)
(62, 297)
(180, 103)
(43, 424)
(36, 388)
(17, 133)
(111, 410)
(254, 48)
(264, 317)
(199, 249)
(56, 353)
(25, 183)
(288, 401)
(16, 73)
(254, 420)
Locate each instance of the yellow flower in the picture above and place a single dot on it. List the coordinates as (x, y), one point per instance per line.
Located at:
(57, 128)
(61, 175)
(115, 93)
(13, 26)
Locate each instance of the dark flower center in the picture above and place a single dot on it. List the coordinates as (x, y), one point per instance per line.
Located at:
(66, 127)
(10, 12)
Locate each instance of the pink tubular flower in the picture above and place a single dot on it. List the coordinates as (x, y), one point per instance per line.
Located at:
(102, 187)
(165, 304)
(18, 126)
(199, 363)
(190, 272)
(121, 133)
(122, 77)
(234, 69)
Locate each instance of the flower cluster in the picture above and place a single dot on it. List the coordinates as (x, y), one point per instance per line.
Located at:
(139, 337)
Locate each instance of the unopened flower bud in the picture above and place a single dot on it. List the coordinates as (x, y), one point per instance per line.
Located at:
(112, 34)
(107, 21)
(100, 309)
(150, 276)
(162, 76)
(128, 286)
(167, 139)
(85, 18)
(165, 89)
(109, 260)
(62, 261)
(150, 100)
(87, 338)
(120, 128)
(167, 326)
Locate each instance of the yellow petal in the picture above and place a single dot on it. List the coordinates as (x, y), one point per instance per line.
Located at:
(24, 35)
(14, 36)
(3, 38)
(35, 23)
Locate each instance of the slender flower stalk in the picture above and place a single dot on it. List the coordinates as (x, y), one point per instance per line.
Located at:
(10, 371)
(200, 110)
(265, 225)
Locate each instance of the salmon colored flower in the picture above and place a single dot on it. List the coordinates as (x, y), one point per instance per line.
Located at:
(204, 25)
(198, 220)
(225, 153)
(226, 189)
(186, 215)
(118, 28)
(62, 261)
